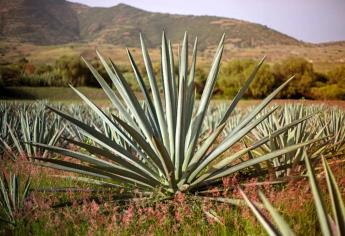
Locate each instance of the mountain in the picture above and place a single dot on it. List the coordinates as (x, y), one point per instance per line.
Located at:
(50, 22)
(39, 21)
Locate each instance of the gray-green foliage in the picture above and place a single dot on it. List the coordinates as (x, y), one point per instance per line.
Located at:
(163, 147)
(302, 132)
(333, 127)
(28, 124)
(13, 194)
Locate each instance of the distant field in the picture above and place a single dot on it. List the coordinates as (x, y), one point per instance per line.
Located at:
(66, 95)
(51, 93)
(323, 56)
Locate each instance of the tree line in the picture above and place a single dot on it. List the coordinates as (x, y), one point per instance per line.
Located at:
(307, 84)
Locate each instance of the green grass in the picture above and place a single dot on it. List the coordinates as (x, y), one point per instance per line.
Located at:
(64, 94)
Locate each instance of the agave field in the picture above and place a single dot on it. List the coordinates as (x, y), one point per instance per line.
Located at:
(169, 163)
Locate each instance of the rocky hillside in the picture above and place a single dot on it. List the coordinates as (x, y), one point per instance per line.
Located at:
(50, 22)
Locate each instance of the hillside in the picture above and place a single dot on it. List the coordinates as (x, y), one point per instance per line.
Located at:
(43, 22)
(50, 22)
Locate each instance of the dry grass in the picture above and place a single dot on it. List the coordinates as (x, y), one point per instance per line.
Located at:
(323, 56)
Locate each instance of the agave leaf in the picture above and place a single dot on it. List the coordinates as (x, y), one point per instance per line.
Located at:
(169, 168)
(336, 199)
(142, 142)
(206, 145)
(110, 93)
(8, 149)
(259, 108)
(155, 92)
(260, 216)
(227, 171)
(320, 207)
(106, 119)
(204, 101)
(5, 200)
(225, 145)
(16, 141)
(54, 139)
(90, 171)
(12, 197)
(131, 101)
(169, 106)
(213, 215)
(240, 93)
(144, 90)
(107, 143)
(102, 164)
(283, 227)
(180, 136)
(211, 139)
(190, 92)
(173, 77)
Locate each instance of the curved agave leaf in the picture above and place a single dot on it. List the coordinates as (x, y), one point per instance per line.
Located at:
(320, 206)
(266, 223)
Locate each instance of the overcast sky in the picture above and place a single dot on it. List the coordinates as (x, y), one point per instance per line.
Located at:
(308, 20)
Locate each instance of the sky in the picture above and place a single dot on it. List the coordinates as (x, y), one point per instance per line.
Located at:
(308, 20)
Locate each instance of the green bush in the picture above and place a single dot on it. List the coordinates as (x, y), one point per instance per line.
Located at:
(337, 75)
(304, 77)
(65, 71)
(234, 74)
(47, 79)
(200, 80)
(10, 74)
(2, 85)
(332, 92)
(71, 70)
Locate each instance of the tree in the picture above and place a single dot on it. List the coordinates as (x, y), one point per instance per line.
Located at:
(337, 76)
(304, 77)
(200, 80)
(236, 72)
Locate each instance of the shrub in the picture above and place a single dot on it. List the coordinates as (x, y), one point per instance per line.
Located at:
(234, 74)
(10, 74)
(304, 77)
(200, 80)
(337, 75)
(2, 85)
(332, 92)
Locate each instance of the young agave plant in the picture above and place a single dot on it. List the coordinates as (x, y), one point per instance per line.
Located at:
(335, 130)
(12, 197)
(330, 225)
(163, 149)
(302, 132)
(33, 128)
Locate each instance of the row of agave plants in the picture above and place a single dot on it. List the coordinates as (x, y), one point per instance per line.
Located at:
(169, 142)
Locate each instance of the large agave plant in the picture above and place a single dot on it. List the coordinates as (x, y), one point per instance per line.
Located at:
(163, 137)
